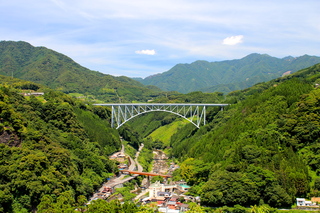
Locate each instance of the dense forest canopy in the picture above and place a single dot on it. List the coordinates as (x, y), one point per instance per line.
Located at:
(51, 146)
(262, 149)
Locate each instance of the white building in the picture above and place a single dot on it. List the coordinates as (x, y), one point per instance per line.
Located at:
(304, 202)
(156, 188)
(301, 201)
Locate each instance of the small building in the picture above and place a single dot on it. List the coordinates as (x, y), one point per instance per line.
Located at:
(183, 207)
(308, 203)
(123, 166)
(304, 202)
(183, 187)
(157, 187)
(33, 93)
(168, 210)
(301, 201)
(163, 194)
(315, 199)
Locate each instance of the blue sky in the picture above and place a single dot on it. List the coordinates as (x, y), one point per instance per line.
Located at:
(144, 37)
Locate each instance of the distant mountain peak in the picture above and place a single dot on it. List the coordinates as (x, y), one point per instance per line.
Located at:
(230, 74)
(288, 58)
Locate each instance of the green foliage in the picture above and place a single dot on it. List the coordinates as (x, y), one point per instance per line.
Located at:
(145, 158)
(114, 206)
(125, 192)
(162, 135)
(43, 66)
(157, 178)
(132, 137)
(227, 76)
(130, 150)
(99, 130)
(244, 188)
(194, 171)
(49, 151)
(258, 150)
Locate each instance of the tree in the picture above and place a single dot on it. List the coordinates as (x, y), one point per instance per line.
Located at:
(157, 178)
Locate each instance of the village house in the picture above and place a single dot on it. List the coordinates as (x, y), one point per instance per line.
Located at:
(304, 202)
(162, 194)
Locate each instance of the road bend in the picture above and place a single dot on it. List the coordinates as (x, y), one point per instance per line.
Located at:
(102, 193)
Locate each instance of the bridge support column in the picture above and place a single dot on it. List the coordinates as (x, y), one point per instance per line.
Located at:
(148, 181)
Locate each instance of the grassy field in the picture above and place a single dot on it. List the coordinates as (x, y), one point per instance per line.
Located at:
(164, 133)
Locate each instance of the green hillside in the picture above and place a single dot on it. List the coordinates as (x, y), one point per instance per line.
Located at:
(47, 67)
(52, 147)
(227, 76)
(262, 149)
(165, 132)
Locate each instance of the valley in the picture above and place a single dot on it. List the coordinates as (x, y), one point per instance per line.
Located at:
(259, 154)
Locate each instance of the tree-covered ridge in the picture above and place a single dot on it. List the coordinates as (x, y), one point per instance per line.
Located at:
(262, 149)
(24, 86)
(227, 76)
(55, 146)
(57, 71)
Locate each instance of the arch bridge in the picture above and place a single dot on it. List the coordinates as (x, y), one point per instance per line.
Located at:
(193, 112)
(123, 112)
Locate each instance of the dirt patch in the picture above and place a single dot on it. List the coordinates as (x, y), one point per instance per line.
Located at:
(10, 139)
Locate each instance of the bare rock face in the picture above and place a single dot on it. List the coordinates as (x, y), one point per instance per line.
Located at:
(10, 138)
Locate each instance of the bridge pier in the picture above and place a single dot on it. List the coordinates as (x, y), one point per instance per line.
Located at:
(148, 181)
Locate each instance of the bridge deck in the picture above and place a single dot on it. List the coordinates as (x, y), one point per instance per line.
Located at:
(160, 104)
(146, 173)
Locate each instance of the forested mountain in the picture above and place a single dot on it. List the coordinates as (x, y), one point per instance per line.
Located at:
(227, 76)
(264, 148)
(57, 71)
(53, 148)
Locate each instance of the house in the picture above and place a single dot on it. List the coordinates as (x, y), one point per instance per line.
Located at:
(301, 201)
(163, 194)
(308, 203)
(304, 202)
(33, 93)
(183, 187)
(165, 190)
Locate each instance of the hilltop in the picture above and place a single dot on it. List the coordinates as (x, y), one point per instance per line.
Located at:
(57, 71)
(227, 76)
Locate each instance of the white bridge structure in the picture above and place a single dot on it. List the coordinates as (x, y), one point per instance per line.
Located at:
(123, 112)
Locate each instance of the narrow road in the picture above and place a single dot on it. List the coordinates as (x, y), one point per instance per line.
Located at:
(120, 179)
(160, 166)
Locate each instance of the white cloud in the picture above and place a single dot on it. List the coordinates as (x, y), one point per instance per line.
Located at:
(233, 40)
(146, 52)
(102, 35)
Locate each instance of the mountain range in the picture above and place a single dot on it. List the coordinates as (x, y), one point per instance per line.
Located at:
(227, 76)
(57, 71)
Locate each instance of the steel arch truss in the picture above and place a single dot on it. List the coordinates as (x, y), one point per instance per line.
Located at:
(194, 113)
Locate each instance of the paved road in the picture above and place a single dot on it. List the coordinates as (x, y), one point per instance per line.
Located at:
(120, 179)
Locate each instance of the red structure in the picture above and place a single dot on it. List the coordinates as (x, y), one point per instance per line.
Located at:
(146, 173)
